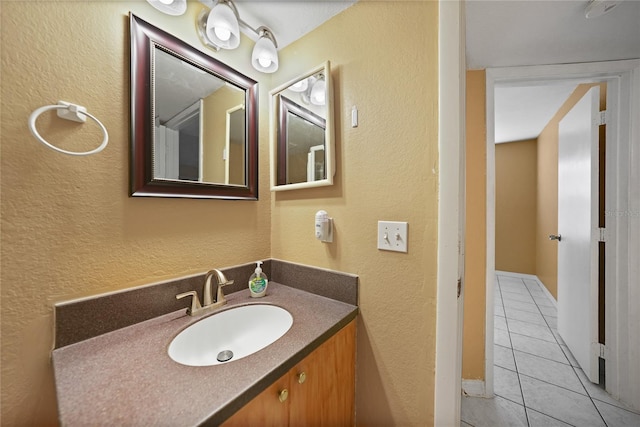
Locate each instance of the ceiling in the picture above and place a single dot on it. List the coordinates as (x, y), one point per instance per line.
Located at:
(289, 20)
(512, 33)
(498, 34)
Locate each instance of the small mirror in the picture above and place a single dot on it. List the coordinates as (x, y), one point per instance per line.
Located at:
(193, 121)
(302, 147)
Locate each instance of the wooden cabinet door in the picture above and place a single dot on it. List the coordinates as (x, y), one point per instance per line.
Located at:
(326, 397)
(265, 409)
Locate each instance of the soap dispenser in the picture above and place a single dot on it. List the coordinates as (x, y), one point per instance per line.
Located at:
(258, 282)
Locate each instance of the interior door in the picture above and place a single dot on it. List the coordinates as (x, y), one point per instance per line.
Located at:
(578, 229)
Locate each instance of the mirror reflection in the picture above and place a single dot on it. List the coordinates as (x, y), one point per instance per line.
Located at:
(193, 121)
(302, 135)
(302, 140)
(197, 135)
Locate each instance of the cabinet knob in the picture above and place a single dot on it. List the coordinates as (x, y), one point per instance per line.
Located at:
(283, 395)
(302, 377)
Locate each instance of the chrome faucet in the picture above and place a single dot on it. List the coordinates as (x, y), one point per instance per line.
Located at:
(208, 303)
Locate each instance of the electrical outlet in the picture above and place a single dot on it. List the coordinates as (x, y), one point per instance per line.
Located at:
(392, 236)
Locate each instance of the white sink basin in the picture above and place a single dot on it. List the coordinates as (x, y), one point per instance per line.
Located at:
(241, 330)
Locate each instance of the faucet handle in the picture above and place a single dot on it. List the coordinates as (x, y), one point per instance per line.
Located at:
(220, 293)
(195, 301)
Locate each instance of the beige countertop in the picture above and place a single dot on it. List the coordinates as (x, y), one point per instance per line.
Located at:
(126, 377)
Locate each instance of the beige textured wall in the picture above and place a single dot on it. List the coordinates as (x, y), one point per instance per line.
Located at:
(516, 185)
(473, 338)
(69, 228)
(386, 170)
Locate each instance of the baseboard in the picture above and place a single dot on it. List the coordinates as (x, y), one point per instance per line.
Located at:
(531, 277)
(475, 388)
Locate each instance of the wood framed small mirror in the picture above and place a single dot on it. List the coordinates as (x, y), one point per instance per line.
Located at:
(302, 141)
(194, 121)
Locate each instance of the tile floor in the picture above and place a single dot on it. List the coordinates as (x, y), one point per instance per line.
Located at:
(537, 382)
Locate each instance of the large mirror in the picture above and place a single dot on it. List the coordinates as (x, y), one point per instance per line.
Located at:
(302, 147)
(194, 121)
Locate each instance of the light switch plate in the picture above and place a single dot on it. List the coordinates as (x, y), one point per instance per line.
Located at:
(392, 236)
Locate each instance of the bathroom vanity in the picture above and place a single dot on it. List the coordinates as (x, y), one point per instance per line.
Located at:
(126, 377)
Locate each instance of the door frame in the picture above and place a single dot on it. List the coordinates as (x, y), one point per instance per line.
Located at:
(451, 142)
(623, 204)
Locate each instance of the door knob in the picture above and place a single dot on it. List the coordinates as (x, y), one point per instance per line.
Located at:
(557, 237)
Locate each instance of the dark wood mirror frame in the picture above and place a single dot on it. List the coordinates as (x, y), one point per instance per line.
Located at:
(144, 38)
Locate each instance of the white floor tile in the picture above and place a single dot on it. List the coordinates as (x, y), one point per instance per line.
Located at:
(546, 349)
(507, 385)
(543, 376)
(516, 290)
(536, 419)
(548, 311)
(543, 301)
(509, 280)
(617, 417)
(463, 424)
(525, 306)
(599, 393)
(503, 357)
(514, 296)
(525, 316)
(496, 412)
(552, 322)
(531, 330)
(559, 403)
(535, 290)
(567, 352)
(501, 337)
(500, 322)
(549, 371)
(558, 337)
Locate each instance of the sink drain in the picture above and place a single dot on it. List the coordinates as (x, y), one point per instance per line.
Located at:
(225, 356)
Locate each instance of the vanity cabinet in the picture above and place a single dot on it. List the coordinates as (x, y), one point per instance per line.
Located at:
(318, 391)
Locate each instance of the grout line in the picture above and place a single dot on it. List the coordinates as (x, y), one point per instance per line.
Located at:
(550, 416)
(555, 337)
(515, 363)
(556, 385)
(589, 396)
(542, 357)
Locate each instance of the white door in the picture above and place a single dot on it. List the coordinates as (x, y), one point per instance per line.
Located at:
(578, 229)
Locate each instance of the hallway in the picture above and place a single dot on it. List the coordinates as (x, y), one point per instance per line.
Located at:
(536, 380)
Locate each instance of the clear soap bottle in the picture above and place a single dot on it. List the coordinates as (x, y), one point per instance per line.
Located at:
(258, 282)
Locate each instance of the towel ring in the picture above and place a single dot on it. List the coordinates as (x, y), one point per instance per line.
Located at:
(75, 113)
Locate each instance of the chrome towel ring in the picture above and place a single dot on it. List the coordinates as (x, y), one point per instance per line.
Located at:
(67, 111)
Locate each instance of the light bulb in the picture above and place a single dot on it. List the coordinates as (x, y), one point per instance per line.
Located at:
(264, 61)
(222, 33)
(166, 1)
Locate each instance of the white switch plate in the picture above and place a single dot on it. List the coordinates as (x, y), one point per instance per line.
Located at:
(392, 236)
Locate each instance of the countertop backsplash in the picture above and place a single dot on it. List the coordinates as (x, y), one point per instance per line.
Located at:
(84, 318)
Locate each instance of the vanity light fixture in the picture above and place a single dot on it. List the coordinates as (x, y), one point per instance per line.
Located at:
(265, 56)
(170, 7)
(219, 28)
(223, 28)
